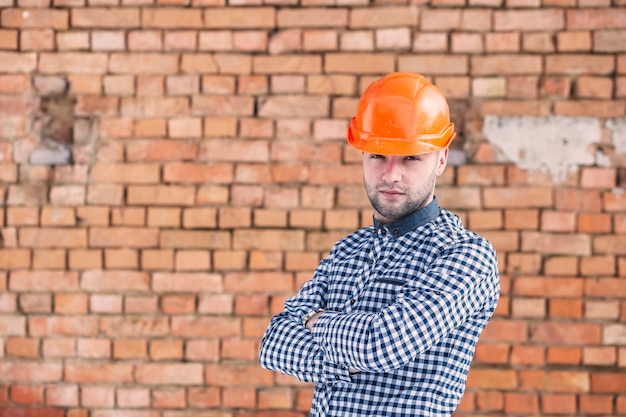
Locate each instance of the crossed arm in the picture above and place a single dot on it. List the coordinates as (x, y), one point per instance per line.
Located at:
(335, 344)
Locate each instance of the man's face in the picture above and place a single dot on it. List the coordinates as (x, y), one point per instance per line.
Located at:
(399, 185)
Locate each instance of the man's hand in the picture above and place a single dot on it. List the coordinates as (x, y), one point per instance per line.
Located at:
(309, 324)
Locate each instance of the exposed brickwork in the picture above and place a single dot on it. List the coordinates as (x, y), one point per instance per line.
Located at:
(209, 176)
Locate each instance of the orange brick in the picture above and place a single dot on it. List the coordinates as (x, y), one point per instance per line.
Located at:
(528, 355)
(192, 260)
(202, 350)
(600, 356)
(129, 349)
(70, 303)
(178, 304)
(229, 260)
(166, 349)
(8, 39)
(80, 259)
(130, 237)
(22, 347)
(521, 403)
(594, 223)
(558, 221)
(156, 259)
(558, 403)
(565, 308)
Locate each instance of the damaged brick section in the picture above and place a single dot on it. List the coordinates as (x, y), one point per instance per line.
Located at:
(53, 125)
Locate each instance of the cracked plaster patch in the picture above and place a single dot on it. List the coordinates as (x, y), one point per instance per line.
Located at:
(557, 145)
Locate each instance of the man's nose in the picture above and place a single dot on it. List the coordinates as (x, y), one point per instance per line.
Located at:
(393, 171)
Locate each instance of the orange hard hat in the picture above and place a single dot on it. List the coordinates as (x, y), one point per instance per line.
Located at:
(401, 114)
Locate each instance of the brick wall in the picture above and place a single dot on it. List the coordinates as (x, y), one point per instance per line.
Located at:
(171, 171)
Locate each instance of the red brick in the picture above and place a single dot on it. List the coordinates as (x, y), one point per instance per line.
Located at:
(554, 381)
(311, 17)
(240, 397)
(80, 63)
(101, 373)
(383, 17)
(166, 349)
(37, 40)
(557, 244)
(489, 401)
(558, 403)
(17, 62)
(359, 63)
(566, 333)
(236, 375)
(35, 18)
(564, 355)
(171, 18)
(70, 303)
(505, 331)
(49, 259)
(186, 282)
(119, 281)
(491, 353)
(594, 223)
(63, 325)
(240, 17)
(24, 394)
(191, 260)
(97, 397)
(43, 281)
(22, 347)
(499, 65)
(602, 18)
(100, 17)
(528, 355)
(608, 382)
(194, 239)
(529, 20)
(521, 403)
(565, 308)
(140, 63)
(582, 63)
(600, 356)
(492, 379)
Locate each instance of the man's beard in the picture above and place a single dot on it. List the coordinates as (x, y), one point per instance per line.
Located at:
(394, 212)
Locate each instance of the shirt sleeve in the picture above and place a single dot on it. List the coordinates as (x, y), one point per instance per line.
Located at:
(288, 347)
(419, 317)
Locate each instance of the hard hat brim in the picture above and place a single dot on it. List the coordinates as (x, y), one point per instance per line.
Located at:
(418, 145)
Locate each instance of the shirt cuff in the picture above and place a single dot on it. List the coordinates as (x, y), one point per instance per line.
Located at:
(333, 372)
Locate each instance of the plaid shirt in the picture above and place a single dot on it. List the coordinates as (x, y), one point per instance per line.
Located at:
(405, 304)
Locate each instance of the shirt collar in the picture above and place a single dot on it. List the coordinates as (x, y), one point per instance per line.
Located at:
(409, 222)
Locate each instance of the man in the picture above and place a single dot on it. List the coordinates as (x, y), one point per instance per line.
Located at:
(389, 323)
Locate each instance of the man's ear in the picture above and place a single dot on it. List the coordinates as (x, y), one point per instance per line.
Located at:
(442, 160)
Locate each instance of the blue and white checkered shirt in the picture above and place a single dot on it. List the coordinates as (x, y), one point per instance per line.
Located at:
(405, 304)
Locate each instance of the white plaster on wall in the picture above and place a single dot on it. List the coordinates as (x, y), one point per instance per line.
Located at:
(617, 127)
(554, 144)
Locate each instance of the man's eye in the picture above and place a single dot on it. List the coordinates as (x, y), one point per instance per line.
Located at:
(413, 158)
(377, 156)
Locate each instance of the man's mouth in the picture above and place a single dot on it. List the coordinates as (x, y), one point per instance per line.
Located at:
(391, 193)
